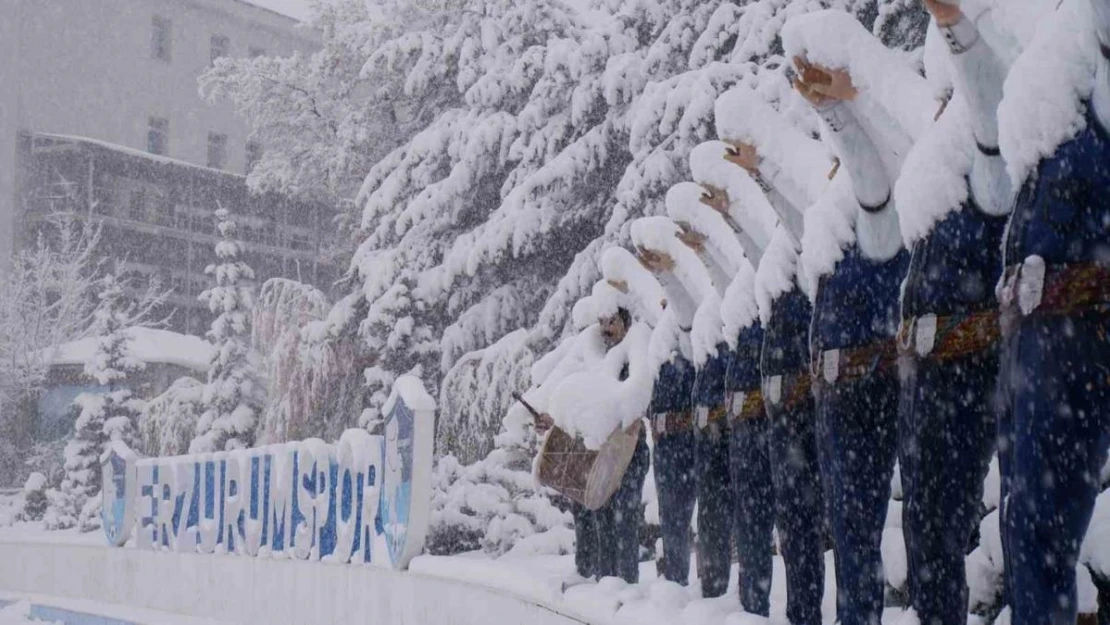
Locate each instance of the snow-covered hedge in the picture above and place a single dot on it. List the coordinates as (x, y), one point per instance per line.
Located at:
(495, 506)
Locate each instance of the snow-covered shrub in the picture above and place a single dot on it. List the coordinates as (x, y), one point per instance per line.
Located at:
(495, 505)
(233, 396)
(169, 421)
(62, 510)
(477, 392)
(32, 500)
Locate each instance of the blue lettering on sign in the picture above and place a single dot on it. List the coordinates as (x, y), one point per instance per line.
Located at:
(364, 500)
(296, 499)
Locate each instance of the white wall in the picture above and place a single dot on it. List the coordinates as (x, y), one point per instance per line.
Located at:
(84, 67)
(9, 73)
(254, 590)
(87, 69)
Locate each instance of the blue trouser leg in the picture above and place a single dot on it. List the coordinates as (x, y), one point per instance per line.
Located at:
(585, 540)
(1057, 381)
(754, 519)
(857, 435)
(714, 509)
(947, 427)
(677, 486)
(799, 508)
(619, 521)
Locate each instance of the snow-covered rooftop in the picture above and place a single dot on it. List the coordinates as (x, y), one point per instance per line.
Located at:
(296, 9)
(146, 344)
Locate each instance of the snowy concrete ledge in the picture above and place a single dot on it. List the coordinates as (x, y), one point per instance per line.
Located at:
(232, 589)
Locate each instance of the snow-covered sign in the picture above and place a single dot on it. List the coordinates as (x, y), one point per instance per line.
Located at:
(117, 512)
(364, 500)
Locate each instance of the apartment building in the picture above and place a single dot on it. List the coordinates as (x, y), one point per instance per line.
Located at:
(101, 119)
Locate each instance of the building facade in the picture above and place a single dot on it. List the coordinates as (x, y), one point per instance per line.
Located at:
(100, 118)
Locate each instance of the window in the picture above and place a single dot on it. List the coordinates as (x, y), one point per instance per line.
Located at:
(137, 206)
(217, 150)
(219, 47)
(254, 52)
(161, 39)
(158, 136)
(254, 155)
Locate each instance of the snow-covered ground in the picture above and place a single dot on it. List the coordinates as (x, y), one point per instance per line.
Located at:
(18, 613)
(539, 580)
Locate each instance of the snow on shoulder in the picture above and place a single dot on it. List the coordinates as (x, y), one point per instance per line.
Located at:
(777, 273)
(933, 181)
(593, 401)
(739, 308)
(147, 345)
(1046, 90)
(120, 448)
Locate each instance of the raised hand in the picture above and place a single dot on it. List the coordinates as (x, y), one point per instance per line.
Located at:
(945, 13)
(690, 237)
(544, 422)
(619, 285)
(820, 85)
(715, 198)
(655, 262)
(743, 154)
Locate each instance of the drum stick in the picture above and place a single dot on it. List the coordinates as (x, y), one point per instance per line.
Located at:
(535, 413)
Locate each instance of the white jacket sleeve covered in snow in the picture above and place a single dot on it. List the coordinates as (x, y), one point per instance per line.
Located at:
(877, 226)
(979, 76)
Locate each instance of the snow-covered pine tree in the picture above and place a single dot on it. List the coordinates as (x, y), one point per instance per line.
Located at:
(323, 119)
(232, 397)
(471, 224)
(102, 417)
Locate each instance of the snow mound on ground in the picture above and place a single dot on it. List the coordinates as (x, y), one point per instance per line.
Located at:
(1095, 552)
(19, 613)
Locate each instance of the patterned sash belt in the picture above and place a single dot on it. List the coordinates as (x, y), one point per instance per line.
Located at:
(788, 390)
(746, 405)
(1057, 290)
(669, 423)
(847, 364)
(710, 414)
(950, 336)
